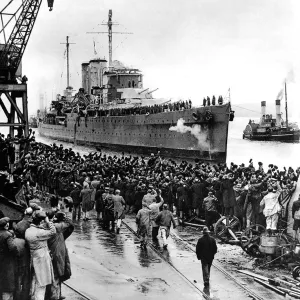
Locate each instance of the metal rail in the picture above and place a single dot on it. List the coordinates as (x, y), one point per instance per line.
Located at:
(247, 291)
(222, 270)
(176, 270)
(79, 293)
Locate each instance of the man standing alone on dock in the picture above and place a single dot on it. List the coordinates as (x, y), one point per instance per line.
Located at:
(206, 249)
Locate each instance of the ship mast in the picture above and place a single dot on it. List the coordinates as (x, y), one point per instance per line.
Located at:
(68, 64)
(286, 107)
(109, 25)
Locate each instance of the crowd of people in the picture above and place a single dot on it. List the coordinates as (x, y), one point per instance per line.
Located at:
(198, 188)
(33, 255)
(109, 110)
(155, 189)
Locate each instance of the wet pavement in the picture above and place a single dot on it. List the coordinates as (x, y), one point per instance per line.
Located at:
(110, 266)
(179, 254)
(106, 265)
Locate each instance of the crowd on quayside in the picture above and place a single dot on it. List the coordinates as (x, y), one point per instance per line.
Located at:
(154, 189)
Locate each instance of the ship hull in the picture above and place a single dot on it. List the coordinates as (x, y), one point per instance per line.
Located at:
(145, 134)
(289, 137)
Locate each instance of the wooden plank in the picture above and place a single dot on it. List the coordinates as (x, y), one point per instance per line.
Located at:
(270, 287)
(254, 275)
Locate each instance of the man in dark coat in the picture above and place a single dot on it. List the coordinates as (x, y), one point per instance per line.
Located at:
(206, 249)
(75, 195)
(59, 253)
(296, 217)
(8, 253)
(197, 196)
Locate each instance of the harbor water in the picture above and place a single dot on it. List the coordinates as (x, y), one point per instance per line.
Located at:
(238, 151)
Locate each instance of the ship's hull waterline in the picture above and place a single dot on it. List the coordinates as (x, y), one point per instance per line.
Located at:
(145, 134)
(284, 137)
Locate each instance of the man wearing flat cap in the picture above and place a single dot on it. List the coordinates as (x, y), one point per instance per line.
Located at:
(8, 254)
(37, 235)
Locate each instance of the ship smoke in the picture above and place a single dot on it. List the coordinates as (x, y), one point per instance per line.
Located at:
(196, 131)
(290, 77)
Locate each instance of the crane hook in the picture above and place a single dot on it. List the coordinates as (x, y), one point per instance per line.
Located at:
(50, 4)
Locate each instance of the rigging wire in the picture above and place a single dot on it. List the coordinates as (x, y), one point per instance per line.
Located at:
(246, 108)
(70, 51)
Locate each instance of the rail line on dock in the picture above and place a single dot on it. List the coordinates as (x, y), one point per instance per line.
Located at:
(77, 292)
(247, 291)
(172, 266)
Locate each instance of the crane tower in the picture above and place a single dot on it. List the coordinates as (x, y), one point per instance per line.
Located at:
(13, 86)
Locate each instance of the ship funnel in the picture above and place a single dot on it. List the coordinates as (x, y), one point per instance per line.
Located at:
(263, 109)
(278, 113)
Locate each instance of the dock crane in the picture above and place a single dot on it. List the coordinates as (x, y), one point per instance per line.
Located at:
(13, 85)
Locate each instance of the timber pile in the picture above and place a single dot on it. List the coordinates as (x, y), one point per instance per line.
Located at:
(281, 285)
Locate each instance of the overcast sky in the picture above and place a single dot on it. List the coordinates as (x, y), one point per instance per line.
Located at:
(186, 48)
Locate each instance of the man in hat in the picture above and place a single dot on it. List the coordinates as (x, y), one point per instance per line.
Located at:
(8, 253)
(150, 196)
(210, 208)
(108, 212)
(155, 207)
(99, 201)
(164, 220)
(23, 273)
(119, 208)
(271, 208)
(296, 216)
(143, 224)
(36, 237)
(59, 254)
(75, 195)
(205, 250)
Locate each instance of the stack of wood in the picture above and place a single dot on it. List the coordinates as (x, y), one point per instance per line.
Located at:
(281, 285)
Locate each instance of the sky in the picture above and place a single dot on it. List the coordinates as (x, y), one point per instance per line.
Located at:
(189, 49)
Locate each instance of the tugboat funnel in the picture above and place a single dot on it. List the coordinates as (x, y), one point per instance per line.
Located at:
(263, 110)
(278, 113)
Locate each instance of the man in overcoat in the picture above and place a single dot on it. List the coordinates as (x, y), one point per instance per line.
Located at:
(205, 250)
(8, 254)
(59, 253)
(37, 235)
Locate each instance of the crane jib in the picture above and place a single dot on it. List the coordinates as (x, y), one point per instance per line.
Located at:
(12, 52)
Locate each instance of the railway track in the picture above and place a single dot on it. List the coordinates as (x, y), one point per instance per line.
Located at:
(248, 291)
(241, 285)
(80, 295)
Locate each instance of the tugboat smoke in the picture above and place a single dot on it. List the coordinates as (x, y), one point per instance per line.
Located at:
(290, 77)
(196, 131)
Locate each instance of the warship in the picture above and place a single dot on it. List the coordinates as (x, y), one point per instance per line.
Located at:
(270, 128)
(114, 110)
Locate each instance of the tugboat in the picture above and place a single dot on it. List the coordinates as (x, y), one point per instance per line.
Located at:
(114, 110)
(270, 128)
